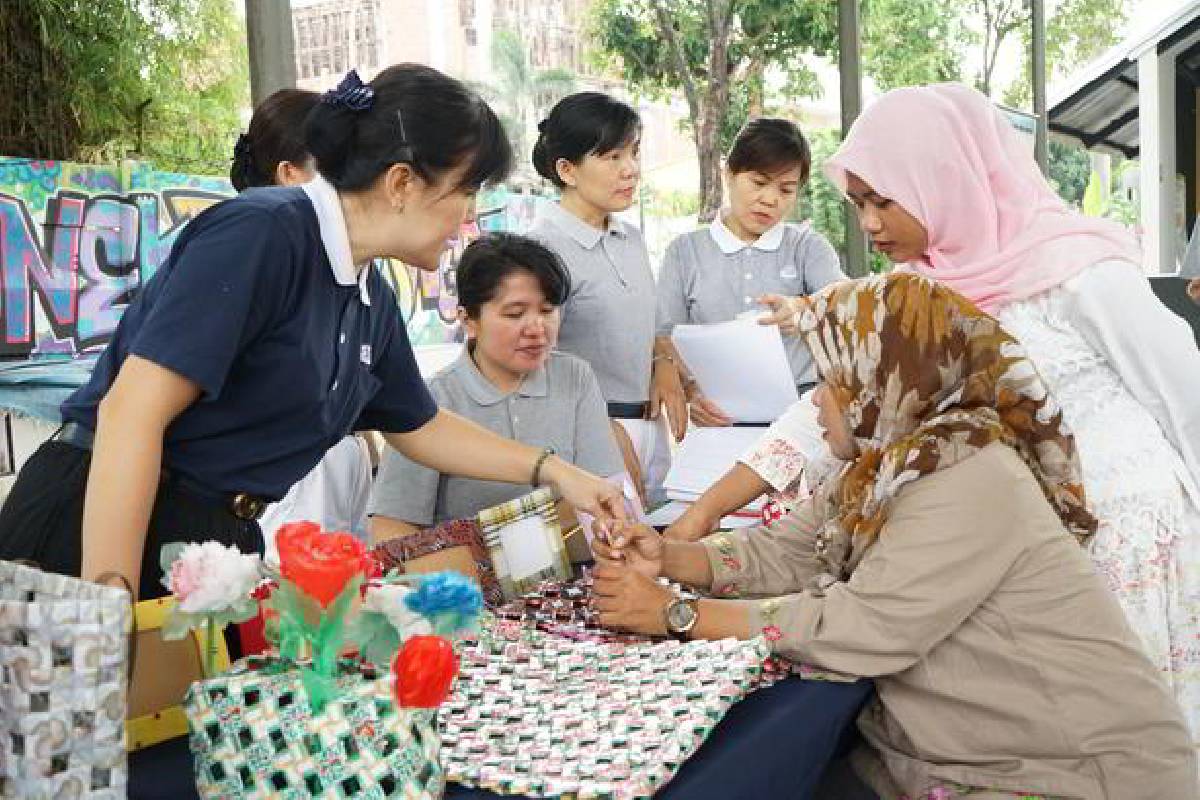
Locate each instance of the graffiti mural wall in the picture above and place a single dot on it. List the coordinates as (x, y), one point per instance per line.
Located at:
(77, 242)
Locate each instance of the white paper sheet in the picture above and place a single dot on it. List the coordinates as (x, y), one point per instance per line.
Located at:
(705, 455)
(668, 512)
(739, 365)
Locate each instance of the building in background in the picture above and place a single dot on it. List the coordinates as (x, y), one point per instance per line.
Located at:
(454, 36)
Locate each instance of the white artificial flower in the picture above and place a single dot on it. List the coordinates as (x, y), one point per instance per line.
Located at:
(211, 577)
(388, 599)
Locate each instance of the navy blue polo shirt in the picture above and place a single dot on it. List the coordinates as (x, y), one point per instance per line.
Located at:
(291, 351)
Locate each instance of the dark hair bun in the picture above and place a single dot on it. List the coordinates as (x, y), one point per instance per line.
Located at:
(580, 125)
(242, 172)
(274, 136)
(418, 117)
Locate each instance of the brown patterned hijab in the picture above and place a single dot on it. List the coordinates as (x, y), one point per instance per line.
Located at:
(925, 380)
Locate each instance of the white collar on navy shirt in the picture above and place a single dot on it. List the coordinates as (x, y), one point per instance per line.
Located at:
(583, 233)
(770, 240)
(335, 237)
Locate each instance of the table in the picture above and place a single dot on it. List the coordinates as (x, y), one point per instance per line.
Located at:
(774, 744)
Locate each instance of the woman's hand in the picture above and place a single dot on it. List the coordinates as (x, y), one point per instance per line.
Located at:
(585, 491)
(708, 414)
(637, 547)
(693, 526)
(782, 312)
(666, 391)
(631, 601)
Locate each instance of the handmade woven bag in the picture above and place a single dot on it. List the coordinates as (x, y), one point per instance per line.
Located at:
(253, 735)
(64, 658)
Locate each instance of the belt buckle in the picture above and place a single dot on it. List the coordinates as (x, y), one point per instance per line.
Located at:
(247, 506)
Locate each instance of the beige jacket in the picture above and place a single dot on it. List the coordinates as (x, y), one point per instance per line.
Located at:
(1001, 661)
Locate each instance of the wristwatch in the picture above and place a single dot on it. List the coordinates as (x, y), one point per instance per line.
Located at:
(681, 617)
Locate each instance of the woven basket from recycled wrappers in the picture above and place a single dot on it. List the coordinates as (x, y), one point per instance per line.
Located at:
(543, 715)
(64, 647)
(253, 736)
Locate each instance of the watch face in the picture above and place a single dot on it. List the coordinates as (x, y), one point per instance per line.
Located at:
(680, 615)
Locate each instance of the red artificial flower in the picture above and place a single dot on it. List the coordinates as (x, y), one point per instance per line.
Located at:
(423, 671)
(264, 590)
(319, 564)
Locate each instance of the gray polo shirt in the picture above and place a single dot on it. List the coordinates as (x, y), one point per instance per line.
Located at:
(608, 320)
(558, 406)
(710, 275)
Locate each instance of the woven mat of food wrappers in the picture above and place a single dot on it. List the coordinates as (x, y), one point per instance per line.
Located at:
(550, 704)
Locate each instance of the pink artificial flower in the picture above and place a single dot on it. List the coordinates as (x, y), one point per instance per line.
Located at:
(185, 578)
(772, 633)
(210, 577)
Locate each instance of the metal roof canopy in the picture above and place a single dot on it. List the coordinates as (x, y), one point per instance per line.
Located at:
(1099, 108)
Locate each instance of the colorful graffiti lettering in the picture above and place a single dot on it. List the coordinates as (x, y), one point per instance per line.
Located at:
(78, 241)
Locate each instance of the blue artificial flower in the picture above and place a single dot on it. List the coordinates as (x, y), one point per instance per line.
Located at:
(445, 593)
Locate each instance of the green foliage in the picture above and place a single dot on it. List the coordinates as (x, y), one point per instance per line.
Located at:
(83, 69)
(661, 47)
(911, 42)
(775, 32)
(1070, 169)
(1077, 32)
(520, 92)
(821, 202)
(669, 203)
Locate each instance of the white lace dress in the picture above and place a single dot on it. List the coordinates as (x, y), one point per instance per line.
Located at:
(1127, 374)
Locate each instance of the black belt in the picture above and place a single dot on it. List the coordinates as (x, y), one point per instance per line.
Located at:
(628, 410)
(242, 505)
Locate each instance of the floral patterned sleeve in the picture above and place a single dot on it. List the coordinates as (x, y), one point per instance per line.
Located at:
(762, 561)
(791, 442)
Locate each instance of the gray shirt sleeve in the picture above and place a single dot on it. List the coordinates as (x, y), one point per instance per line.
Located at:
(820, 262)
(595, 448)
(405, 490)
(672, 296)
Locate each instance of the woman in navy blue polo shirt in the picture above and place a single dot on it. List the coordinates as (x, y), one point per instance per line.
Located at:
(266, 337)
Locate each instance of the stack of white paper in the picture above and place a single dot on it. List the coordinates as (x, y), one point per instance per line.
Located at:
(704, 456)
(740, 366)
(667, 513)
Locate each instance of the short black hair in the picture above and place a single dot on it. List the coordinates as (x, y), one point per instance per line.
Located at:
(276, 134)
(770, 145)
(443, 122)
(580, 125)
(491, 258)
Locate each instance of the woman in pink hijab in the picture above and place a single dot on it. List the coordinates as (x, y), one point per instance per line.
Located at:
(944, 186)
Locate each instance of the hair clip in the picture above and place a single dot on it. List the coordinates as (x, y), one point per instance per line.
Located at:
(405, 150)
(351, 94)
(242, 150)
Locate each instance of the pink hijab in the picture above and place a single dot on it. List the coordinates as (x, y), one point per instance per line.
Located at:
(997, 230)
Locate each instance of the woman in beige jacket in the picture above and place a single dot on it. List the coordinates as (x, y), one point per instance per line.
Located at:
(943, 561)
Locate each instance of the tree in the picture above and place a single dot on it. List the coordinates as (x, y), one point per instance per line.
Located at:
(521, 92)
(1077, 32)
(999, 20)
(96, 79)
(911, 42)
(711, 51)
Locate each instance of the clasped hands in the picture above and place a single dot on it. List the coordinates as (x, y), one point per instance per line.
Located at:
(629, 560)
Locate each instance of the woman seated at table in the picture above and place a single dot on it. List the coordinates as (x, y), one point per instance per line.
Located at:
(750, 255)
(942, 560)
(509, 380)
